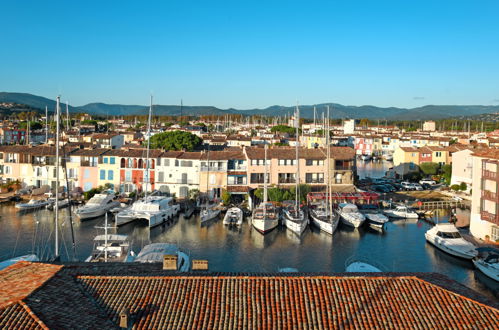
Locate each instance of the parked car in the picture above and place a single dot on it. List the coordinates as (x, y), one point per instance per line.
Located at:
(428, 181)
(408, 185)
(417, 186)
(426, 186)
(390, 187)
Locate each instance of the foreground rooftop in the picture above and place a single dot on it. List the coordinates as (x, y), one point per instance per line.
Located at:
(91, 295)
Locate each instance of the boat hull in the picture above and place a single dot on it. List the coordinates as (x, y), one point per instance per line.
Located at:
(448, 250)
(264, 225)
(487, 269)
(324, 225)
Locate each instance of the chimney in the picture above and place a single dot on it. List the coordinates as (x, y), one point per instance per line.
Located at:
(170, 262)
(123, 323)
(199, 264)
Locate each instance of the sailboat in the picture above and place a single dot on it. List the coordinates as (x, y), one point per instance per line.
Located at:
(322, 214)
(208, 212)
(154, 209)
(264, 217)
(293, 216)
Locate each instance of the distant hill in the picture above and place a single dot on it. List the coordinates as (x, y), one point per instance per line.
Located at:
(306, 111)
(485, 117)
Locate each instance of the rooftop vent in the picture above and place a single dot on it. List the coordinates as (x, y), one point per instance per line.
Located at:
(124, 319)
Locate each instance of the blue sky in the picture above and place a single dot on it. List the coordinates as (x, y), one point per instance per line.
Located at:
(248, 54)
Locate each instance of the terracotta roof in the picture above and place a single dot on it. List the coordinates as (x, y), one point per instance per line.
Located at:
(90, 152)
(139, 153)
(223, 155)
(491, 153)
(304, 153)
(19, 316)
(104, 135)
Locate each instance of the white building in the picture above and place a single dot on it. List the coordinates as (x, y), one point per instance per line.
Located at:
(177, 172)
(349, 126)
(462, 168)
(429, 126)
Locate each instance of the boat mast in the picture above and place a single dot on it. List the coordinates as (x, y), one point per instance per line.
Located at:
(147, 152)
(328, 153)
(68, 122)
(105, 240)
(265, 183)
(46, 125)
(297, 179)
(56, 250)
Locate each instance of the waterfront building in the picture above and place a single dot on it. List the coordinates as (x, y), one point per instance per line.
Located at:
(177, 172)
(12, 135)
(149, 296)
(484, 219)
(462, 168)
(349, 126)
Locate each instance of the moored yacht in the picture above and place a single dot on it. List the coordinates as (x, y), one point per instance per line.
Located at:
(375, 218)
(350, 215)
(447, 238)
(488, 262)
(265, 218)
(98, 205)
(361, 264)
(154, 209)
(293, 217)
(234, 216)
(33, 204)
(401, 211)
(209, 212)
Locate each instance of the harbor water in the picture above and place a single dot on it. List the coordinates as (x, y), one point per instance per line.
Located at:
(400, 248)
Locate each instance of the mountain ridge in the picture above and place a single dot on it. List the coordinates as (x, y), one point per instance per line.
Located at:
(426, 112)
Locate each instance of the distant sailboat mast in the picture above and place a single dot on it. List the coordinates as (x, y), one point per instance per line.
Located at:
(147, 151)
(297, 179)
(265, 184)
(46, 125)
(58, 111)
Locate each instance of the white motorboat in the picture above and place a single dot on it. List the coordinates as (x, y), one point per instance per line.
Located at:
(265, 218)
(119, 208)
(111, 248)
(33, 204)
(155, 252)
(447, 238)
(98, 205)
(363, 264)
(401, 211)
(234, 216)
(323, 218)
(365, 157)
(61, 203)
(154, 209)
(293, 217)
(210, 212)
(11, 261)
(350, 215)
(374, 217)
(487, 262)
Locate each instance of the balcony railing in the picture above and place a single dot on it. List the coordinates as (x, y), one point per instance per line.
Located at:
(490, 175)
(237, 168)
(185, 181)
(489, 195)
(213, 169)
(315, 181)
(342, 168)
(87, 163)
(494, 218)
(290, 180)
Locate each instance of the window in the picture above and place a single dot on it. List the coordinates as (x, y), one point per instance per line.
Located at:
(105, 160)
(54, 173)
(259, 162)
(286, 162)
(186, 163)
(112, 160)
(258, 177)
(286, 178)
(102, 174)
(86, 174)
(314, 178)
(128, 176)
(166, 162)
(314, 162)
(438, 154)
(7, 170)
(161, 176)
(110, 175)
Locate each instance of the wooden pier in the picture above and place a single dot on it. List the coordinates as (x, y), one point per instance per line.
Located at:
(433, 205)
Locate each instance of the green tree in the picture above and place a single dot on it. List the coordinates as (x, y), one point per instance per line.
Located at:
(304, 189)
(226, 197)
(284, 129)
(175, 140)
(259, 193)
(447, 173)
(275, 194)
(455, 187)
(463, 186)
(429, 168)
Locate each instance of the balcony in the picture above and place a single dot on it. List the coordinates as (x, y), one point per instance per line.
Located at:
(237, 168)
(315, 181)
(342, 168)
(489, 195)
(489, 175)
(213, 169)
(185, 181)
(88, 163)
(287, 180)
(487, 216)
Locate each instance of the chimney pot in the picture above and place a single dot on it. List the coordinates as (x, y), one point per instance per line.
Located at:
(124, 319)
(170, 262)
(199, 264)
